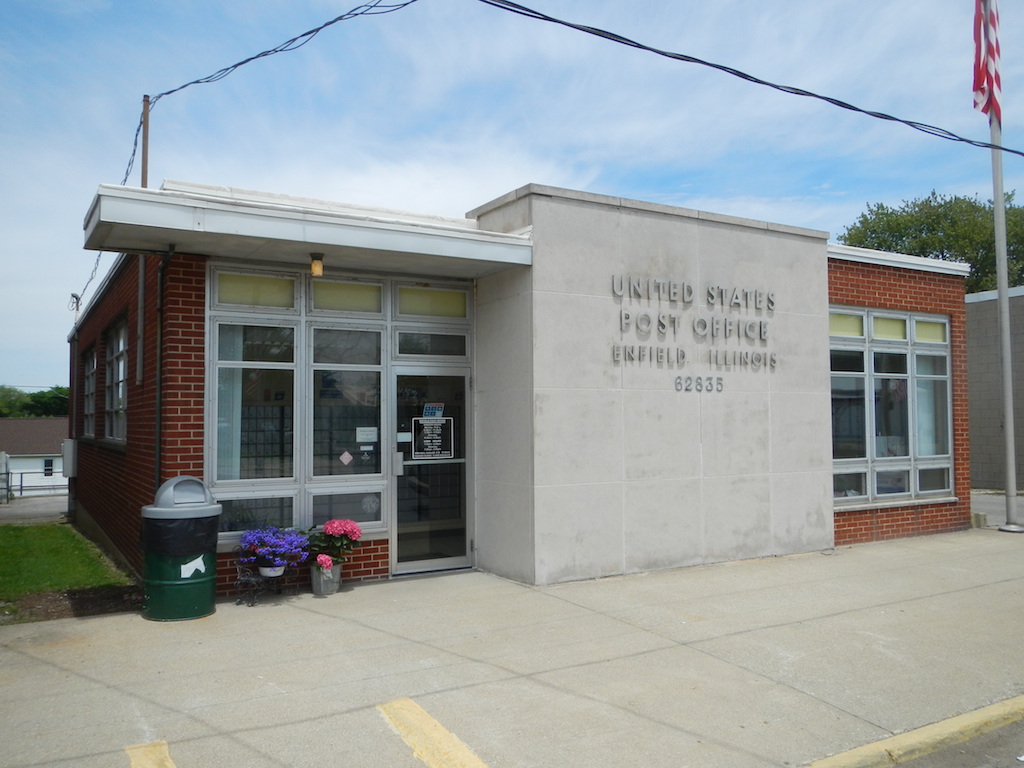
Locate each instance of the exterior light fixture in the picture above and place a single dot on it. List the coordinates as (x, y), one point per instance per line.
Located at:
(316, 264)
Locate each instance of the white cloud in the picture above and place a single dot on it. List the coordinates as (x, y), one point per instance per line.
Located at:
(447, 104)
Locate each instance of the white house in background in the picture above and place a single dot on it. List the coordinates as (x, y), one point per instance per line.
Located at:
(30, 456)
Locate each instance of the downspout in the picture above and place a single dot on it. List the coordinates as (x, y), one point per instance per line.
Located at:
(140, 320)
(159, 396)
(73, 418)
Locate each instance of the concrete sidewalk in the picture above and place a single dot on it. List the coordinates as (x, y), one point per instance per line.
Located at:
(772, 662)
(29, 510)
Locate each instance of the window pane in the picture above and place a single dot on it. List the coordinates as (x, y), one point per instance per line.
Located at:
(255, 290)
(931, 365)
(431, 302)
(243, 514)
(932, 417)
(890, 362)
(892, 482)
(847, 360)
(840, 324)
(347, 297)
(346, 347)
(849, 485)
(849, 433)
(453, 345)
(889, 328)
(361, 507)
(930, 331)
(933, 479)
(892, 430)
(346, 423)
(256, 343)
(116, 394)
(254, 423)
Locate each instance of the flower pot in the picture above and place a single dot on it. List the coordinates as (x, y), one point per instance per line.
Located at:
(271, 570)
(325, 582)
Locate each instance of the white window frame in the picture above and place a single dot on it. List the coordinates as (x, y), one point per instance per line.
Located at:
(914, 463)
(302, 487)
(89, 394)
(116, 383)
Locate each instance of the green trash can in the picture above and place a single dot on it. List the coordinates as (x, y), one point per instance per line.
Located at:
(179, 545)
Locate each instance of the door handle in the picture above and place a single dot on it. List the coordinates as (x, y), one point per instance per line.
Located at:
(398, 464)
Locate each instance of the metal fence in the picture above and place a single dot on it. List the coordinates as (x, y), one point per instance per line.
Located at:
(37, 483)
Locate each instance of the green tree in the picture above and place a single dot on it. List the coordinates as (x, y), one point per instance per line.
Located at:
(946, 227)
(50, 402)
(12, 401)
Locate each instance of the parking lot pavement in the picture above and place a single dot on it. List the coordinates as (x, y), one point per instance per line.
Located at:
(775, 662)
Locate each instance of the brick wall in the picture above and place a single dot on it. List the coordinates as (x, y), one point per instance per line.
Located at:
(117, 478)
(369, 562)
(883, 287)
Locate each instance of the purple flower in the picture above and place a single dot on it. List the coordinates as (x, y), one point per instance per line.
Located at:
(273, 546)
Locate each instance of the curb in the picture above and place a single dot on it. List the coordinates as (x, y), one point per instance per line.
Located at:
(907, 746)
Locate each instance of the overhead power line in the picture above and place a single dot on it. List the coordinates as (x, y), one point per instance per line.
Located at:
(373, 8)
(931, 130)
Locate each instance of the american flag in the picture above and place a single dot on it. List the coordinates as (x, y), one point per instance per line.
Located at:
(986, 59)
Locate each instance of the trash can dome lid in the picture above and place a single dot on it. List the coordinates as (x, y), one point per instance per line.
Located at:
(182, 496)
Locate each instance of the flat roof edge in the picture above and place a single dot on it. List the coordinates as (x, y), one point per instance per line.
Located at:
(203, 196)
(898, 260)
(541, 190)
(1012, 293)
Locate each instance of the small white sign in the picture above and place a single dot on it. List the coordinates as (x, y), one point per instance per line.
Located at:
(366, 434)
(345, 458)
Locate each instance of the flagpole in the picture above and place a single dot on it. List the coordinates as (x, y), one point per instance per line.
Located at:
(1013, 523)
(987, 98)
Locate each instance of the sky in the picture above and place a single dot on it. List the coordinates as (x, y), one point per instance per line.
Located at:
(445, 105)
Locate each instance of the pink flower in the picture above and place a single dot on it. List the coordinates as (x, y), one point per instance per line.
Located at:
(348, 528)
(325, 562)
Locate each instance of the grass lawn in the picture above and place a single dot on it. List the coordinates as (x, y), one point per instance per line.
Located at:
(51, 558)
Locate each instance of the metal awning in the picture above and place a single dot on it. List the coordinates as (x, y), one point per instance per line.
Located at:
(274, 229)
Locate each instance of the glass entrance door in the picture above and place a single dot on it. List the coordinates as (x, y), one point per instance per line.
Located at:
(430, 470)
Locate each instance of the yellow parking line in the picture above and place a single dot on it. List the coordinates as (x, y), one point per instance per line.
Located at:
(152, 755)
(430, 741)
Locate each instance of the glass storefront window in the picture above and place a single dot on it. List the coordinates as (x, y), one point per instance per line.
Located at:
(843, 324)
(255, 290)
(244, 514)
(902, 411)
(892, 427)
(432, 302)
(849, 418)
(849, 485)
(930, 331)
(256, 343)
(346, 423)
(932, 417)
(438, 344)
(847, 360)
(347, 297)
(889, 328)
(255, 427)
(346, 347)
(933, 480)
(296, 422)
(363, 507)
(892, 482)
